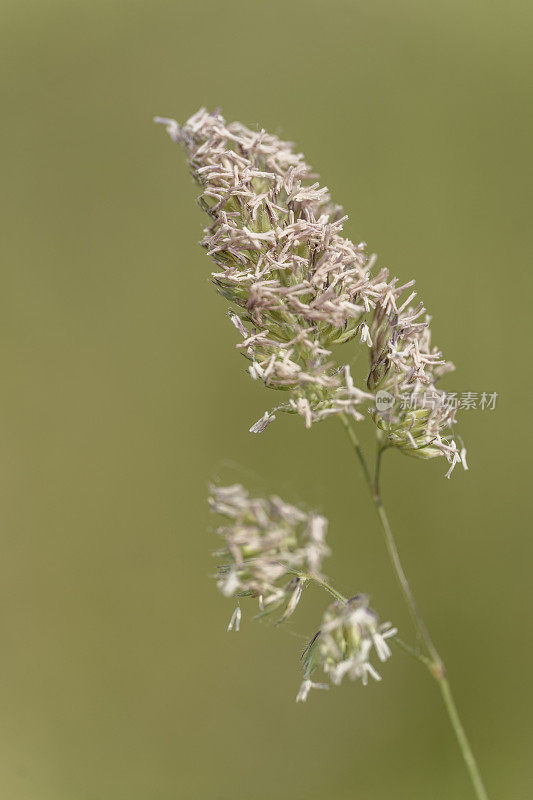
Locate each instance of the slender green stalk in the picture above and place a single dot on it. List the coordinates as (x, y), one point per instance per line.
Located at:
(462, 738)
(332, 591)
(320, 582)
(413, 653)
(434, 664)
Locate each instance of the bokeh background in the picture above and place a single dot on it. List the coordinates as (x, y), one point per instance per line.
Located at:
(122, 397)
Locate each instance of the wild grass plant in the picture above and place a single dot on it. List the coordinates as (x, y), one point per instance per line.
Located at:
(302, 296)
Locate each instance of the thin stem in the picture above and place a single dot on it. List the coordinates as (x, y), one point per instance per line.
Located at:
(413, 653)
(357, 447)
(462, 738)
(394, 555)
(434, 664)
(332, 591)
(373, 487)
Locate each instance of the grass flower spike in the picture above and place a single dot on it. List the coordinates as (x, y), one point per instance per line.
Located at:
(298, 288)
(349, 633)
(270, 549)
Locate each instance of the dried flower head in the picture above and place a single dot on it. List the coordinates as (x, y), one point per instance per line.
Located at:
(299, 288)
(349, 633)
(270, 549)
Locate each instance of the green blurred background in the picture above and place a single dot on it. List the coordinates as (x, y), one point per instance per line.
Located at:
(123, 396)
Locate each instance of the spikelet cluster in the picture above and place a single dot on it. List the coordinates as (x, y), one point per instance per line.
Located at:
(299, 288)
(270, 549)
(349, 634)
(404, 365)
